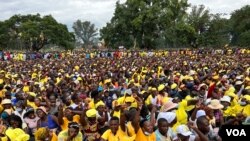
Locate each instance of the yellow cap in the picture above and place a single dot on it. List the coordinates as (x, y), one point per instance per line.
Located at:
(216, 77)
(17, 134)
(247, 88)
(153, 89)
(107, 81)
(161, 87)
(77, 68)
(173, 86)
(91, 113)
(100, 103)
(32, 94)
(1, 81)
(247, 97)
(79, 78)
(142, 92)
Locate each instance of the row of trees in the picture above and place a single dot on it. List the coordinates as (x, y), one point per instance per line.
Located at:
(33, 32)
(136, 23)
(166, 23)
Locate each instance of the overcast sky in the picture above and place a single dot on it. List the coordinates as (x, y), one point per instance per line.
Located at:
(96, 11)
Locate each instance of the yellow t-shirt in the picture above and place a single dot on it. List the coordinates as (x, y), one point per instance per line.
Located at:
(148, 100)
(190, 107)
(92, 104)
(230, 111)
(76, 118)
(246, 110)
(63, 135)
(130, 129)
(54, 137)
(140, 136)
(238, 108)
(119, 136)
(181, 114)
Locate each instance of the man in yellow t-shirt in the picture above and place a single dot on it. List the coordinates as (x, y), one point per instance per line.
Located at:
(115, 132)
(72, 134)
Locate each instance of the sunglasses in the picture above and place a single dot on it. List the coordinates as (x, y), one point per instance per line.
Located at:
(74, 126)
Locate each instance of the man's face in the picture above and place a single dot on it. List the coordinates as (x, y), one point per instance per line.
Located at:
(114, 125)
(53, 101)
(204, 126)
(163, 128)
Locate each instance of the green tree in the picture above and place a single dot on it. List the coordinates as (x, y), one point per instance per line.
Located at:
(218, 32)
(146, 23)
(240, 20)
(199, 18)
(33, 32)
(85, 32)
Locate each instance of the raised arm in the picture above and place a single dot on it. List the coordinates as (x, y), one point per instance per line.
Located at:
(136, 120)
(152, 116)
(60, 114)
(83, 117)
(123, 118)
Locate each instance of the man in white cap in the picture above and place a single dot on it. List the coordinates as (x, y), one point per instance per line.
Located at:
(171, 119)
(184, 133)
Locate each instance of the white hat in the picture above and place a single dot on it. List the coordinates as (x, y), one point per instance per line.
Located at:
(169, 116)
(184, 130)
(6, 101)
(192, 72)
(239, 77)
(207, 101)
(76, 82)
(238, 82)
(201, 85)
(128, 91)
(200, 113)
(226, 98)
(215, 104)
(225, 76)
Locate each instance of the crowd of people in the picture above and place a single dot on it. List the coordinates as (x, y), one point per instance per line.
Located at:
(184, 95)
(111, 53)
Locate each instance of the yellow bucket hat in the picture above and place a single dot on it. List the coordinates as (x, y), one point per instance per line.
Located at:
(173, 86)
(17, 135)
(100, 103)
(161, 87)
(91, 113)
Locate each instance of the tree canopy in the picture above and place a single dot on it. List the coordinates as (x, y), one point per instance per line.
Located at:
(240, 24)
(166, 23)
(33, 32)
(85, 32)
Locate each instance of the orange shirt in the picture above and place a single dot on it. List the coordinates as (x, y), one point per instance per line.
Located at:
(140, 136)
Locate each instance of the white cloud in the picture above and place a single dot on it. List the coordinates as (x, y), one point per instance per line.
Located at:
(97, 11)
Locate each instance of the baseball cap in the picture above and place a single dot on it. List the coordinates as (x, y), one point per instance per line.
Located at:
(184, 130)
